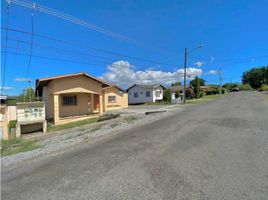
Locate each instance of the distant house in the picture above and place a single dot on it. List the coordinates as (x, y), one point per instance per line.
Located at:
(208, 88)
(145, 93)
(177, 93)
(74, 97)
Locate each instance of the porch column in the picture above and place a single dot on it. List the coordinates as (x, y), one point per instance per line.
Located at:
(100, 104)
(56, 108)
(92, 102)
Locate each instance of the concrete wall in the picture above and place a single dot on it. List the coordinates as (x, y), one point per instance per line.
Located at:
(160, 92)
(121, 99)
(11, 113)
(83, 106)
(3, 122)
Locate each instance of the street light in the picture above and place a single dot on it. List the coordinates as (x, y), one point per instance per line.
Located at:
(186, 52)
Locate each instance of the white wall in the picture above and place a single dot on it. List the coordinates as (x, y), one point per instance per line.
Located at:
(142, 95)
(158, 90)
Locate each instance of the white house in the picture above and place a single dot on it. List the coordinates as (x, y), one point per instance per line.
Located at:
(145, 93)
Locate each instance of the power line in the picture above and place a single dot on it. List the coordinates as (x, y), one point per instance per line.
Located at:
(83, 23)
(5, 56)
(91, 48)
(52, 58)
(14, 61)
(69, 52)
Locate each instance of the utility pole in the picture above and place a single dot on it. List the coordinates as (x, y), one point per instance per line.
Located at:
(29, 90)
(220, 72)
(185, 65)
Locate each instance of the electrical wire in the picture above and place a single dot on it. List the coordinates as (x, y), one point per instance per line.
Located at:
(91, 48)
(85, 24)
(6, 40)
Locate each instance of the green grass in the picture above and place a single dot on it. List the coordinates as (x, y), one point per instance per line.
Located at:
(52, 128)
(158, 103)
(17, 145)
(130, 118)
(203, 99)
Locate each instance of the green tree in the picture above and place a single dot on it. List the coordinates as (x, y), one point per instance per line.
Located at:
(167, 95)
(27, 95)
(196, 83)
(176, 84)
(230, 86)
(256, 77)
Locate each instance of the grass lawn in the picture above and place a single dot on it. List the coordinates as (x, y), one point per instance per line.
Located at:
(52, 128)
(203, 99)
(17, 145)
(158, 103)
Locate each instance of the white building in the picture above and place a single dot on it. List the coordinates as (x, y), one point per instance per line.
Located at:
(145, 93)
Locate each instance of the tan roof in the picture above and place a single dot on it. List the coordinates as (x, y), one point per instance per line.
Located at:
(113, 86)
(43, 81)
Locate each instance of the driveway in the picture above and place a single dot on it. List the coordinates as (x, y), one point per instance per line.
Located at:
(215, 150)
(142, 108)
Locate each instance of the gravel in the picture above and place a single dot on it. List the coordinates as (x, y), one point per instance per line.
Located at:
(64, 139)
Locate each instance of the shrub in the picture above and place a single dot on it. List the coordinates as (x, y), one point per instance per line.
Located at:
(12, 124)
(263, 88)
(167, 95)
(245, 87)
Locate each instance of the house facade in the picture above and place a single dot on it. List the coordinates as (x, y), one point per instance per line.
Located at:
(74, 97)
(145, 93)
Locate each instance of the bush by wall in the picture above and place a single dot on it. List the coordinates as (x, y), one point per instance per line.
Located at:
(167, 95)
(263, 88)
(245, 87)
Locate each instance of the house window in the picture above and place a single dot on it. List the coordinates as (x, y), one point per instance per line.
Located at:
(69, 100)
(136, 94)
(111, 99)
(148, 93)
(141, 93)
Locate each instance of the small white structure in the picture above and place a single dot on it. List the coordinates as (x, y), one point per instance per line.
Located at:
(30, 116)
(175, 99)
(145, 93)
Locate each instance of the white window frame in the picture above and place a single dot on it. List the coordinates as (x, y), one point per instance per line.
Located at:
(148, 94)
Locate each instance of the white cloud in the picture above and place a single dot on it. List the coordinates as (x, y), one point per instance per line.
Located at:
(21, 79)
(6, 88)
(124, 74)
(212, 72)
(199, 63)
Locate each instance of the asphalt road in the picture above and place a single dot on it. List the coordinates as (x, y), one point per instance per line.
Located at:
(217, 150)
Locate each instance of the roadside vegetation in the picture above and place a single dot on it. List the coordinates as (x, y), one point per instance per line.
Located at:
(204, 99)
(52, 128)
(257, 78)
(17, 145)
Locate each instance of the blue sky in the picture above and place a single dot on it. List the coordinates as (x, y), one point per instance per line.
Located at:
(234, 35)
